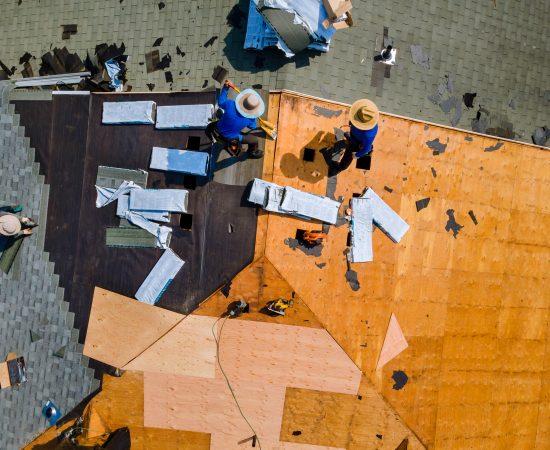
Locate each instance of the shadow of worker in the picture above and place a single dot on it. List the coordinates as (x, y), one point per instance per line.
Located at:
(310, 167)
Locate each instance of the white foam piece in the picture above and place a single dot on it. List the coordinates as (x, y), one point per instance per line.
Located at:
(184, 116)
(140, 112)
(158, 280)
(386, 218)
(184, 161)
(173, 200)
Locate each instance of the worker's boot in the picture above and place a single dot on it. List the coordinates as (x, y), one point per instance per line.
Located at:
(256, 154)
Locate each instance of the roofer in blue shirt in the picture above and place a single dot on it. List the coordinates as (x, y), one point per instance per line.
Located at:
(239, 114)
(363, 128)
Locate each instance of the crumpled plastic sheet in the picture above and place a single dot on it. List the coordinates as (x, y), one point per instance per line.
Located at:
(113, 70)
(109, 195)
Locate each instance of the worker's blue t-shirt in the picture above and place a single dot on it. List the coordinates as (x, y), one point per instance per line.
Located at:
(232, 122)
(363, 139)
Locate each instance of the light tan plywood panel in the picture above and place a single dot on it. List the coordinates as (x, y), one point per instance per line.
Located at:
(116, 333)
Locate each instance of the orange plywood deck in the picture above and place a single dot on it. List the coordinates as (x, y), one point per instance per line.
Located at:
(120, 404)
(474, 309)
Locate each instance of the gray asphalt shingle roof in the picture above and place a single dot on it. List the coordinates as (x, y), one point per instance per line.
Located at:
(32, 301)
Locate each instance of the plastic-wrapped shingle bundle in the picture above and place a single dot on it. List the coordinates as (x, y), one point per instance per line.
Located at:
(128, 113)
(386, 218)
(184, 116)
(183, 161)
(158, 280)
(287, 200)
(361, 230)
(366, 210)
(290, 25)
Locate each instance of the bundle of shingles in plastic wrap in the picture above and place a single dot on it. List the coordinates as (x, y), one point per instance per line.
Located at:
(295, 25)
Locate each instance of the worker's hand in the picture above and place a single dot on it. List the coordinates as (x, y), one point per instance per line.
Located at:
(228, 83)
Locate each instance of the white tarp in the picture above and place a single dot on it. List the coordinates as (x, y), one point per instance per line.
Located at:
(162, 233)
(184, 161)
(141, 112)
(386, 218)
(158, 280)
(108, 195)
(361, 230)
(288, 200)
(173, 200)
(184, 116)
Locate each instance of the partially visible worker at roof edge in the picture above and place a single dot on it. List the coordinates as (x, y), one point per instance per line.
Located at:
(363, 123)
(239, 114)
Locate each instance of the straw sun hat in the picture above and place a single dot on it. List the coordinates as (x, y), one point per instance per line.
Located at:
(9, 225)
(364, 114)
(250, 104)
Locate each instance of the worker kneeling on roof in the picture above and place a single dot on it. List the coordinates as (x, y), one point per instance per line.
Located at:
(239, 114)
(363, 128)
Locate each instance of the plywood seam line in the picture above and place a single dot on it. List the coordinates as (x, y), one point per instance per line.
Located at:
(218, 340)
(307, 306)
(541, 403)
(268, 167)
(412, 119)
(367, 379)
(157, 340)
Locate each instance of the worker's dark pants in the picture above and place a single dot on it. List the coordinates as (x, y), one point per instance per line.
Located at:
(331, 154)
(336, 167)
(347, 158)
(252, 142)
(248, 139)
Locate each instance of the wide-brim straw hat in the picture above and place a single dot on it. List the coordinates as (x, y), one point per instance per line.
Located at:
(9, 225)
(364, 114)
(249, 104)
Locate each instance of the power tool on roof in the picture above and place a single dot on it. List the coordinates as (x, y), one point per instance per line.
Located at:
(279, 306)
(237, 308)
(314, 237)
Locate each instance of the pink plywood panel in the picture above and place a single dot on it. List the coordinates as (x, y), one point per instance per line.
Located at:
(394, 343)
(188, 349)
(287, 356)
(206, 405)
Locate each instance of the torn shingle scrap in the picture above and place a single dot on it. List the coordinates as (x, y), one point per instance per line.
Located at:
(210, 41)
(421, 204)
(436, 146)
(452, 224)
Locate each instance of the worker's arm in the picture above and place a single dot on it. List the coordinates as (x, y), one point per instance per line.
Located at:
(223, 96)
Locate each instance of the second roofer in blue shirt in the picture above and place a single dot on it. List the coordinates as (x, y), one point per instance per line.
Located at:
(363, 129)
(239, 114)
